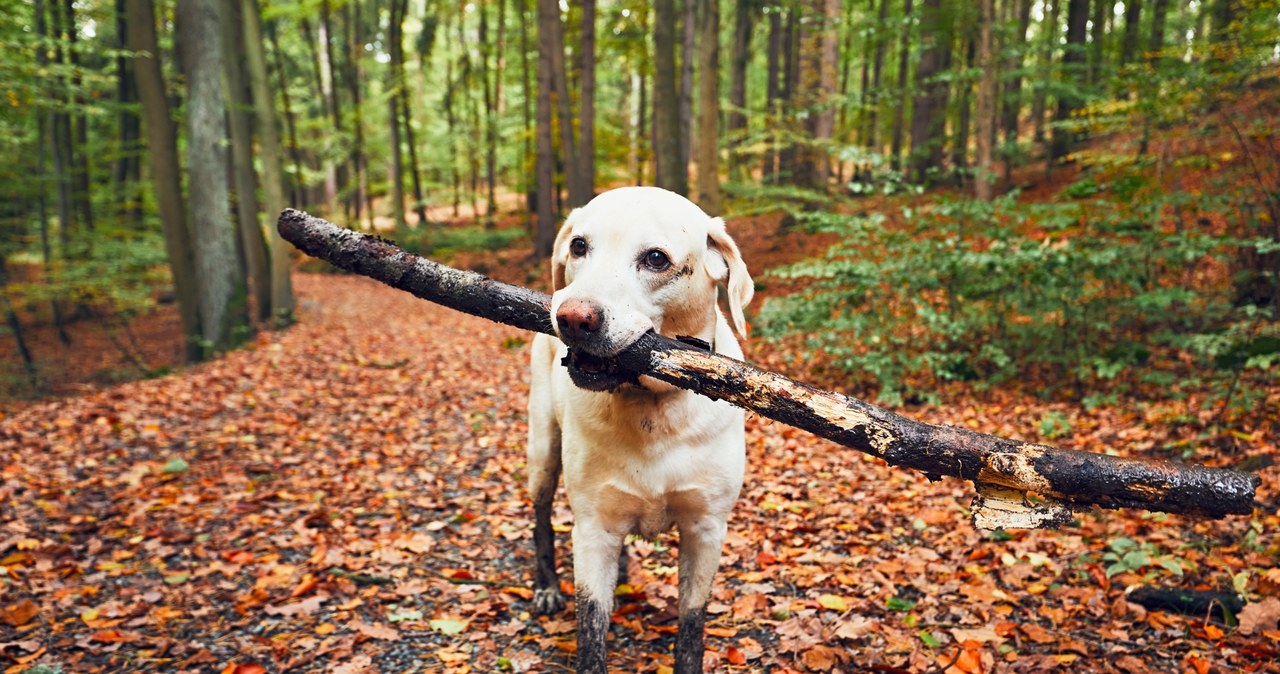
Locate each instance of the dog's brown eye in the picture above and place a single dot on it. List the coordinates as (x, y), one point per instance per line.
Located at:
(578, 247)
(657, 260)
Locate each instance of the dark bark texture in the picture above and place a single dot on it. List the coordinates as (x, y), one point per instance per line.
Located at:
(1004, 471)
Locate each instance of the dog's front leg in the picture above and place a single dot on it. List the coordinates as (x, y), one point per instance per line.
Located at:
(595, 575)
(700, 543)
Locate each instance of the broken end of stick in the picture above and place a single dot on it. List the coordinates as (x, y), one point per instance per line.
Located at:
(999, 507)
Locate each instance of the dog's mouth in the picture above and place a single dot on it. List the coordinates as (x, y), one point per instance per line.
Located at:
(596, 373)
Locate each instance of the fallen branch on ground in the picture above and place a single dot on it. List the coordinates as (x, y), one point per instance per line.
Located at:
(1019, 484)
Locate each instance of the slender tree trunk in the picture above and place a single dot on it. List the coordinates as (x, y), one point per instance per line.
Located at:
(60, 126)
(787, 94)
(688, 28)
(1102, 9)
(328, 92)
(528, 163)
(671, 173)
(587, 105)
(354, 77)
(1132, 15)
(564, 108)
(244, 178)
(77, 148)
(162, 155)
(491, 90)
(929, 107)
(1013, 93)
(126, 174)
(1159, 16)
(964, 86)
(273, 177)
(292, 186)
(773, 95)
(739, 60)
(15, 328)
(402, 95)
(709, 106)
(986, 113)
(545, 231)
(904, 90)
(219, 279)
(1074, 71)
(873, 97)
(46, 125)
(817, 60)
(393, 115)
(1047, 44)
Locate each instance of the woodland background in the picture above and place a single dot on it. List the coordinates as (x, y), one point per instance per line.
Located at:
(1049, 219)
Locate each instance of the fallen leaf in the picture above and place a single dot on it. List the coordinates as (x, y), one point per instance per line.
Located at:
(448, 625)
(19, 613)
(833, 602)
(375, 631)
(1259, 615)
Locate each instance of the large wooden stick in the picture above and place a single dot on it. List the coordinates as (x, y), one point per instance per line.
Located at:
(1019, 484)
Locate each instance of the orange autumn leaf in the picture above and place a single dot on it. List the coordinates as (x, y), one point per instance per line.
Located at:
(307, 584)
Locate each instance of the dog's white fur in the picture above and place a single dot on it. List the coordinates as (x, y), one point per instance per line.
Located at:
(642, 457)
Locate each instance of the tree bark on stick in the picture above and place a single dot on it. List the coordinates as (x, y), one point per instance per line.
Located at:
(1005, 472)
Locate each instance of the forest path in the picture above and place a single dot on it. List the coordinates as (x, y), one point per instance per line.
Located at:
(348, 495)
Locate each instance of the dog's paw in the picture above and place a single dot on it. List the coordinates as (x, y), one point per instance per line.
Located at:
(547, 600)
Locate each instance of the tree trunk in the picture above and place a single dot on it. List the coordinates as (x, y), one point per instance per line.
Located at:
(815, 87)
(77, 146)
(219, 279)
(491, 89)
(293, 187)
(982, 174)
(671, 173)
(1132, 15)
(127, 172)
(688, 32)
(1013, 93)
(528, 163)
(1049, 42)
(1074, 70)
(904, 91)
(1159, 16)
(586, 150)
(545, 230)
(739, 60)
(329, 94)
(873, 98)
(709, 105)
(964, 117)
(394, 26)
(1102, 9)
(551, 24)
(244, 178)
(166, 174)
(928, 111)
(1003, 471)
(773, 96)
(273, 177)
(354, 77)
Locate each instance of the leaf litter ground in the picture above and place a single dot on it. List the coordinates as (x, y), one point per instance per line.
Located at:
(347, 496)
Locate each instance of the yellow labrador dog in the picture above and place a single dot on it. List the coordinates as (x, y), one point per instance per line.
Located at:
(638, 455)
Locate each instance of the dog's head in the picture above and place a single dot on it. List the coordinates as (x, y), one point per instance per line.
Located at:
(637, 259)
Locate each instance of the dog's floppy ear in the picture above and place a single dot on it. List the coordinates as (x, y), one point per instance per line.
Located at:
(559, 252)
(724, 264)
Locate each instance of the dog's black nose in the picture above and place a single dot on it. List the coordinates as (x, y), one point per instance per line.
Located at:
(579, 319)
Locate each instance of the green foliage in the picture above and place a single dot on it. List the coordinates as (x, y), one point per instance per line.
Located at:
(1082, 291)
(443, 240)
(1128, 556)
